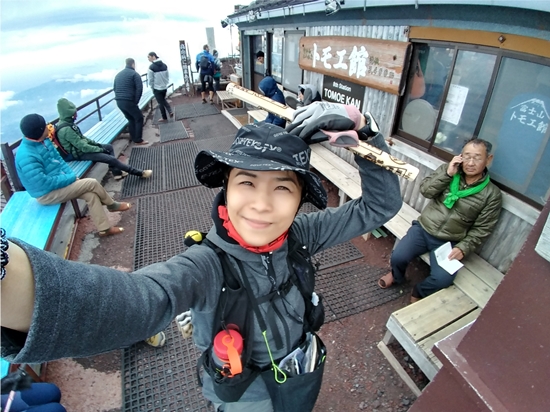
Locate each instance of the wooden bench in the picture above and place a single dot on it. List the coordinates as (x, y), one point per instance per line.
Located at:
(256, 115)
(227, 100)
(419, 326)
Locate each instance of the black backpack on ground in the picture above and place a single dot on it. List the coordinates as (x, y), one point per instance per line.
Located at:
(236, 306)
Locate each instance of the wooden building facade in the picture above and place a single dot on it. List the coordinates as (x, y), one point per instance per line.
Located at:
(434, 74)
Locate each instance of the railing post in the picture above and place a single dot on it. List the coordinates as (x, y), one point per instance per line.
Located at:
(9, 160)
(98, 109)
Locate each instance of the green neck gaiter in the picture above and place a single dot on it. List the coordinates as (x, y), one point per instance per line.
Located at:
(456, 194)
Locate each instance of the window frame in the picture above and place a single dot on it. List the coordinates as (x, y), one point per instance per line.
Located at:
(429, 147)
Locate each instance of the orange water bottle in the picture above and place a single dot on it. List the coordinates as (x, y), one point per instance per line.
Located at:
(228, 346)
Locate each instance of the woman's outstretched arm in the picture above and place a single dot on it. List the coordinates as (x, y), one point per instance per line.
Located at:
(17, 289)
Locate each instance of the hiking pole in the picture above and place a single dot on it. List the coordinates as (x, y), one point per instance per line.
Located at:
(364, 150)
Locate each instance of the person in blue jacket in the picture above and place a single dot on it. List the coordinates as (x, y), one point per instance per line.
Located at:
(205, 64)
(268, 86)
(51, 181)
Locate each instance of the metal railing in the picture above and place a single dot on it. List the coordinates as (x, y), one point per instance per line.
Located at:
(8, 158)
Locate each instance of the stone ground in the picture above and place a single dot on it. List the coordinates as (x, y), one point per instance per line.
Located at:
(357, 376)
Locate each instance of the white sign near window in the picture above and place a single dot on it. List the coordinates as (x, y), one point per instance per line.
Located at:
(456, 98)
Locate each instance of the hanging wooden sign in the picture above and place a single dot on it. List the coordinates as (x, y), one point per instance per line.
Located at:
(369, 62)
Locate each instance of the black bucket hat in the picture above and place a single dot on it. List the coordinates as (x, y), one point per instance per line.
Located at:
(262, 147)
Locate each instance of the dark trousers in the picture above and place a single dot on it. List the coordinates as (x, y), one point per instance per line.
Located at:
(41, 397)
(160, 95)
(115, 166)
(415, 243)
(206, 78)
(216, 83)
(135, 119)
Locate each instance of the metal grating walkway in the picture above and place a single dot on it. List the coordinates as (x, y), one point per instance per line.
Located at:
(353, 289)
(173, 168)
(217, 126)
(216, 143)
(162, 221)
(186, 111)
(162, 379)
(172, 131)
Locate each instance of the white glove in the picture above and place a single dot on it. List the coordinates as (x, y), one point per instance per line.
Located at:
(184, 323)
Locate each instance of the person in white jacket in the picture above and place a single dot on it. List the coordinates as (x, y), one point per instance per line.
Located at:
(158, 79)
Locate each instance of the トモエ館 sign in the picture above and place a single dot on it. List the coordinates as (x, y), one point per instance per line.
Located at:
(368, 62)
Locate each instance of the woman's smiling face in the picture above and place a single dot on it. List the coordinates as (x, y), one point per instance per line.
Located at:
(262, 204)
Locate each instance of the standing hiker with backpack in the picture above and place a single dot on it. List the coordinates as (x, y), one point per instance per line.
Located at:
(75, 146)
(254, 262)
(205, 64)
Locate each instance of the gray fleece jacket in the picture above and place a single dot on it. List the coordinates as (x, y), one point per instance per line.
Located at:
(83, 310)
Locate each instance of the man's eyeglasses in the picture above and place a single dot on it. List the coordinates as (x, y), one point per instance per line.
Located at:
(476, 159)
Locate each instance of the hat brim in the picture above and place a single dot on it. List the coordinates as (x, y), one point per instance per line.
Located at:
(210, 167)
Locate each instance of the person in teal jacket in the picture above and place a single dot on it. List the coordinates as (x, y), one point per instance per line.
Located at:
(49, 179)
(80, 147)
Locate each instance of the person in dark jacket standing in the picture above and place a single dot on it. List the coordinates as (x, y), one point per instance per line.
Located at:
(128, 88)
(268, 86)
(464, 209)
(80, 147)
(158, 79)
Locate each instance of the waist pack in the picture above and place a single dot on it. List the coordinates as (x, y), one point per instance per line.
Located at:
(237, 305)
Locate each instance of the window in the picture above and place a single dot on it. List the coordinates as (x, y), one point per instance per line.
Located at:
(293, 73)
(455, 92)
(277, 55)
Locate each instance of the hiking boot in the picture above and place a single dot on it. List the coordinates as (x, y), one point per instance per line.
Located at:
(146, 174)
(371, 129)
(156, 341)
(121, 176)
(162, 120)
(172, 114)
(203, 101)
(143, 142)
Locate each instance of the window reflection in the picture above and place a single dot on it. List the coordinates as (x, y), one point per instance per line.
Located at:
(517, 124)
(425, 94)
(464, 102)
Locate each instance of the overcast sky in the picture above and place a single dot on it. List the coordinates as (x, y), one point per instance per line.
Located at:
(80, 39)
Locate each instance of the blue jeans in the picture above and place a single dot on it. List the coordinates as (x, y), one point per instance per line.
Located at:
(160, 96)
(131, 112)
(415, 243)
(41, 397)
(115, 166)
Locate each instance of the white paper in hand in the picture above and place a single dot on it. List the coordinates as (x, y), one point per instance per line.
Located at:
(442, 253)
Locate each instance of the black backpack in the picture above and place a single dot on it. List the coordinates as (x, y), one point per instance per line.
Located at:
(205, 64)
(236, 306)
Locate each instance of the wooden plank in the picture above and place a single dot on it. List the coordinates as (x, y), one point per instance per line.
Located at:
(257, 115)
(398, 226)
(332, 173)
(427, 344)
(434, 312)
(399, 369)
(410, 345)
(26, 219)
(472, 285)
(335, 160)
(490, 275)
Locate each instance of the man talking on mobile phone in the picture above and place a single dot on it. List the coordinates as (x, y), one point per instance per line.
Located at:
(463, 210)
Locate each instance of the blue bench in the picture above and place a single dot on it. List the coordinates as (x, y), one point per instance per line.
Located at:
(106, 131)
(26, 219)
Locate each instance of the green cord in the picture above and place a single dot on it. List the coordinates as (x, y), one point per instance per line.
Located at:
(276, 369)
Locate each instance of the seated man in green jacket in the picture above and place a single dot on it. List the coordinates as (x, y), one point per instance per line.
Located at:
(464, 209)
(78, 147)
